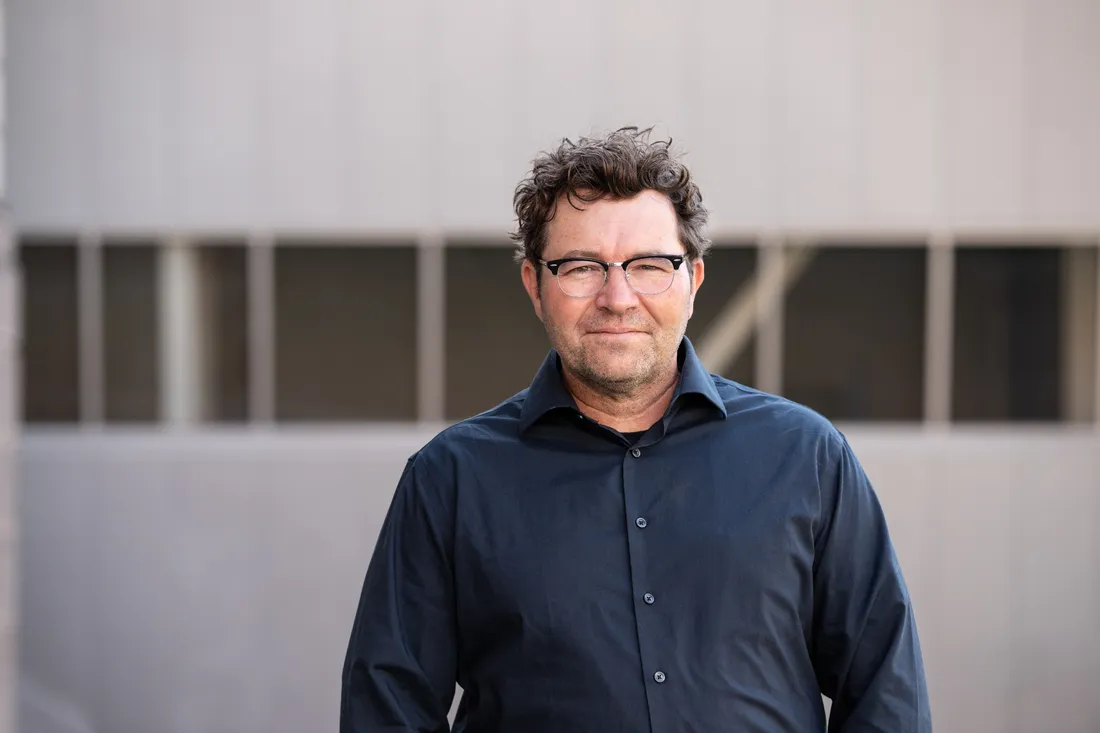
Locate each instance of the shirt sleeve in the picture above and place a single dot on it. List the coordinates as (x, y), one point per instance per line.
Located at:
(864, 644)
(400, 669)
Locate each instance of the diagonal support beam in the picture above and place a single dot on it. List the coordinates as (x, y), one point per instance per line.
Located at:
(757, 301)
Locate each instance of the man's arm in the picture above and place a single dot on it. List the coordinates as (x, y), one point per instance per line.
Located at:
(399, 673)
(865, 647)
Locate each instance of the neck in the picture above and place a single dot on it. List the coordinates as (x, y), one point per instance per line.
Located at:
(625, 413)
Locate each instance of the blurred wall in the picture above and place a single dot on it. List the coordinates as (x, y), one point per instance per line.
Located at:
(208, 582)
(335, 115)
(9, 320)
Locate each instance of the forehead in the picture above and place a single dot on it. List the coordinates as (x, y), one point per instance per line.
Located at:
(645, 222)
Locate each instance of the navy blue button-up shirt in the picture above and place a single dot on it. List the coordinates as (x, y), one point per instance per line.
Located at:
(718, 573)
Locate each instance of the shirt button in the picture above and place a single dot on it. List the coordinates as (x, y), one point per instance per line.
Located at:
(640, 521)
(636, 452)
(648, 598)
(659, 676)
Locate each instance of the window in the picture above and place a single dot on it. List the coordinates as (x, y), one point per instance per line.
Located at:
(130, 346)
(345, 332)
(495, 342)
(225, 330)
(50, 332)
(1007, 345)
(854, 334)
(727, 271)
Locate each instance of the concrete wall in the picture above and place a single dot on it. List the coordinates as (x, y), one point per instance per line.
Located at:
(9, 428)
(207, 582)
(253, 114)
(187, 583)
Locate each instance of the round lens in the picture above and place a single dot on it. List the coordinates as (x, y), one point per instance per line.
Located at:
(580, 279)
(650, 275)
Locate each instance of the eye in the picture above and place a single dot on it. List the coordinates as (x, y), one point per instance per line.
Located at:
(651, 266)
(579, 269)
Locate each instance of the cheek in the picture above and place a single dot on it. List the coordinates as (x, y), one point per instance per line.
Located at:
(673, 311)
(563, 312)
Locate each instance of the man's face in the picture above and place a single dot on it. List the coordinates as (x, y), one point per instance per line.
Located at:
(616, 340)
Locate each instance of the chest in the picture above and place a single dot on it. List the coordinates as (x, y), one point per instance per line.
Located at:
(564, 542)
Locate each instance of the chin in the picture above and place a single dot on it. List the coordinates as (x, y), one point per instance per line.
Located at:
(623, 367)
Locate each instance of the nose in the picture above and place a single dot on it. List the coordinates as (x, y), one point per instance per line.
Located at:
(616, 295)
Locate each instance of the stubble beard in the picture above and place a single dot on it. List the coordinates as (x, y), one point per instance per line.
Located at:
(584, 363)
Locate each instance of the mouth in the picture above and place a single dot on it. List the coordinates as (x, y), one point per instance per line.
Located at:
(615, 332)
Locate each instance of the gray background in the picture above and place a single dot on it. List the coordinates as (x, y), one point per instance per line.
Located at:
(182, 577)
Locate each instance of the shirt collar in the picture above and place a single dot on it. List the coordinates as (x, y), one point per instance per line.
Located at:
(548, 393)
(695, 379)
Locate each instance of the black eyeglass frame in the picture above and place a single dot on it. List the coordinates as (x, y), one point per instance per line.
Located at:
(553, 265)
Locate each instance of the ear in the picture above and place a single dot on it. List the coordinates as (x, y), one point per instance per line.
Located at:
(697, 274)
(530, 276)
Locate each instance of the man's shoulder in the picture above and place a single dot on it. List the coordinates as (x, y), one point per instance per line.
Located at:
(496, 425)
(771, 415)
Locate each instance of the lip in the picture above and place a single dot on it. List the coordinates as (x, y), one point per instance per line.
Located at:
(615, 332)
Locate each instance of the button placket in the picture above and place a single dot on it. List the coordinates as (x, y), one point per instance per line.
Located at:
(637, 487)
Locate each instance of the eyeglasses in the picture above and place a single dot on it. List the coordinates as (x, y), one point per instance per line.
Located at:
(583, 277)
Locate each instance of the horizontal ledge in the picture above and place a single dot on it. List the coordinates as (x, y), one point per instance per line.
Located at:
(722, 237)
(381, 430)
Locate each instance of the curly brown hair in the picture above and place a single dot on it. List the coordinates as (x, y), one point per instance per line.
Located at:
(620, 165)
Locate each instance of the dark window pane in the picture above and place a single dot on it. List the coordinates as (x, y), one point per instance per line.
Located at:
(225, 331)
(495, 343)
(1007, 334)
(345, 323)
(50, 332)
(854, 334)
(727, 270)
(130, 347)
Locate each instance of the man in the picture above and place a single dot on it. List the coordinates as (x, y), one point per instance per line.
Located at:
(631, 544)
